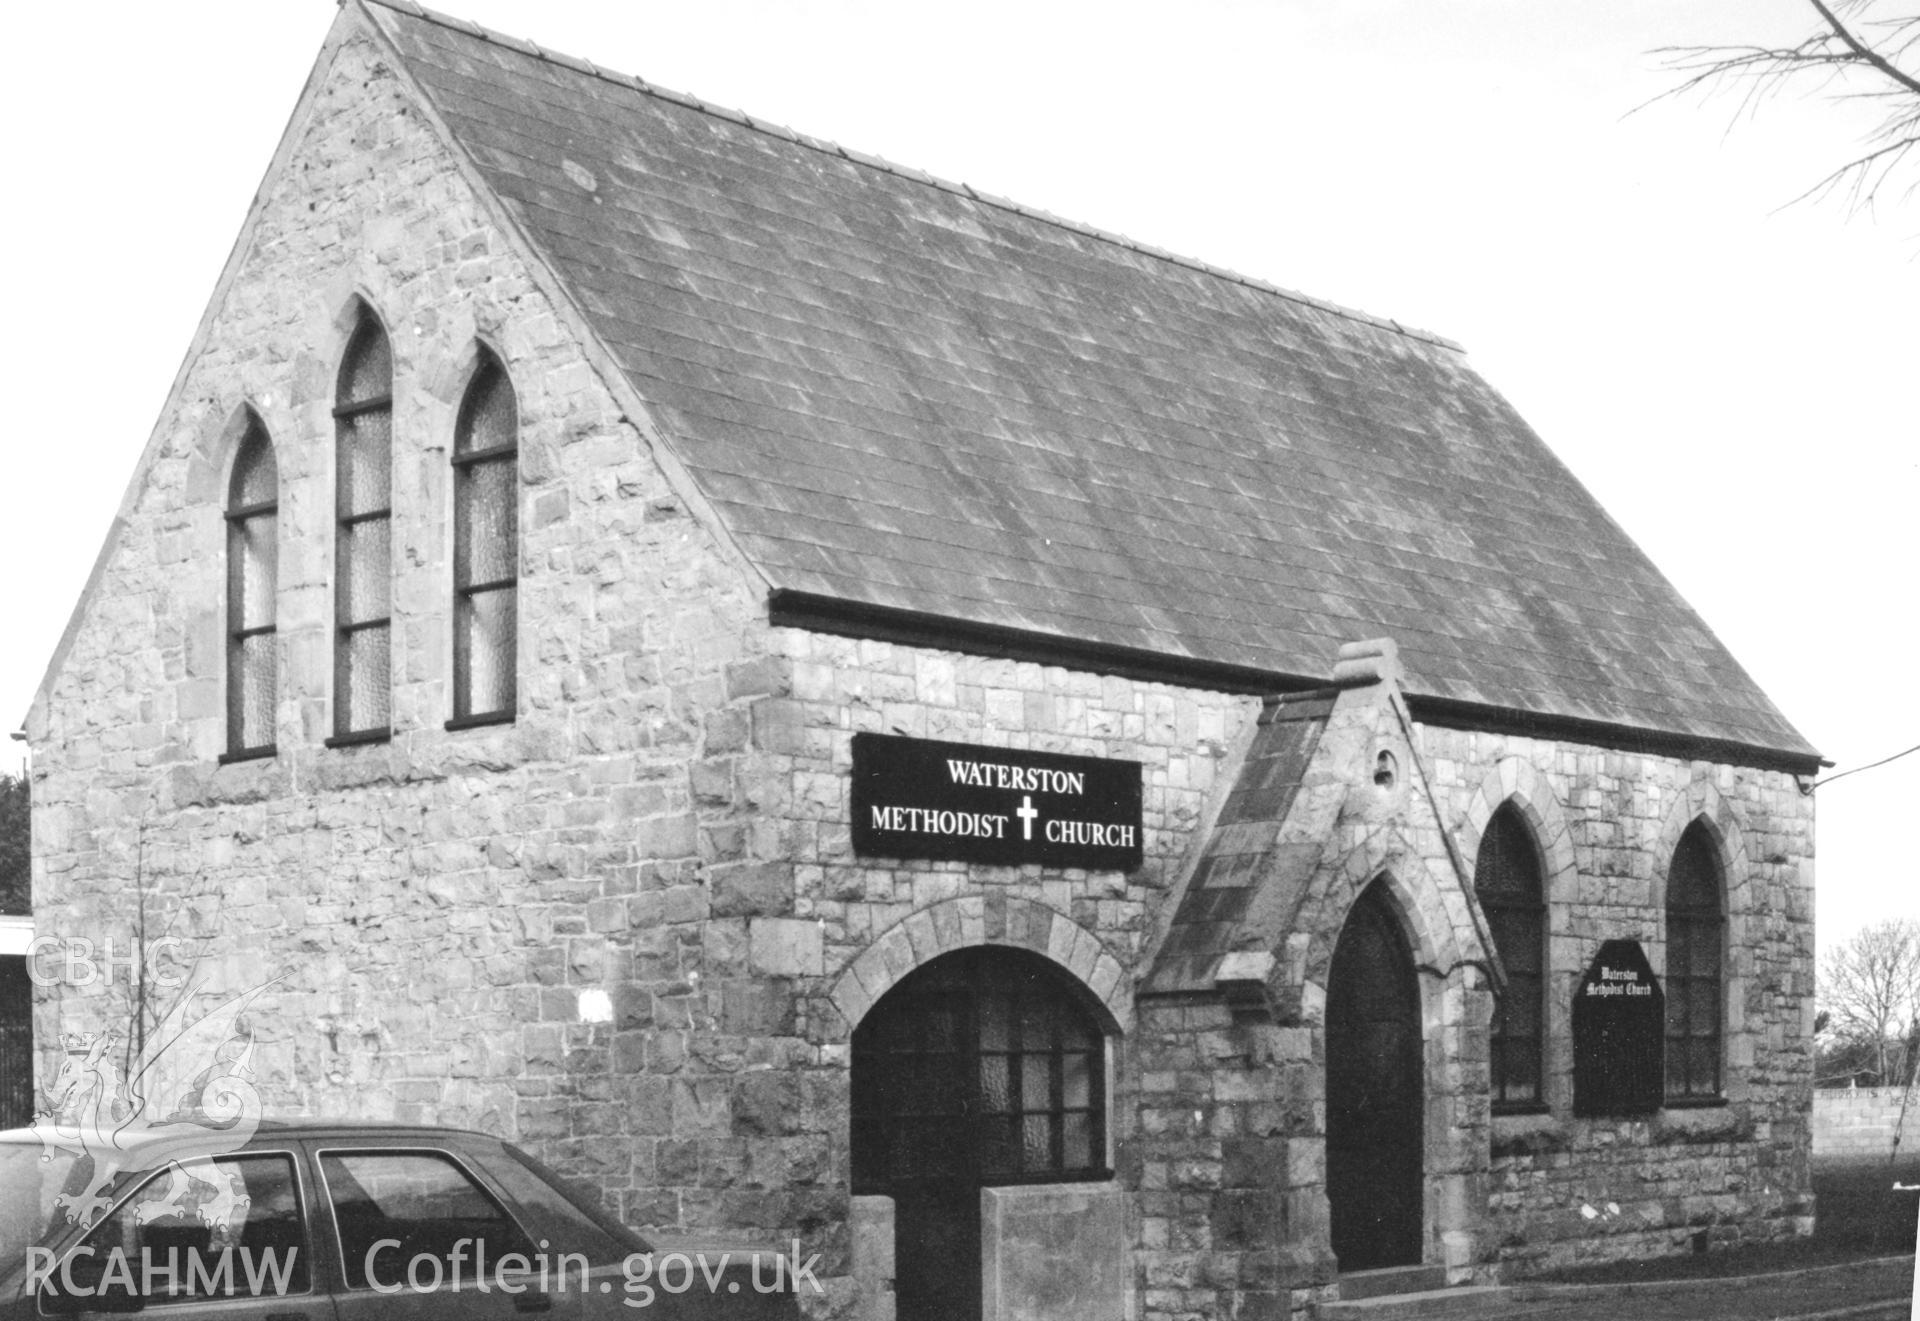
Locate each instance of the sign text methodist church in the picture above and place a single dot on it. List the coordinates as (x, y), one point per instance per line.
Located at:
(917, 798)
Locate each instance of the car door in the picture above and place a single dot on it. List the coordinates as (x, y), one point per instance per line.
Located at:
(220, 1238)
(603, 1270)
(417, 1235)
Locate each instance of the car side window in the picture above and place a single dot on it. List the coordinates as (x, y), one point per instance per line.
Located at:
(213, 1227)
(567, 1216)
(416, 1220)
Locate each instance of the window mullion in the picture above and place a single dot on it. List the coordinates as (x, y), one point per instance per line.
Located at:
(968, 1048)
(1057, 1100)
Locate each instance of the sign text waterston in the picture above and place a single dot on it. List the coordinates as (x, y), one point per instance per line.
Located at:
(917, 798)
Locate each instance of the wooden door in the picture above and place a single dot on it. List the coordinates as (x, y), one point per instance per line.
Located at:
(913, 1105)
(1375, 1097)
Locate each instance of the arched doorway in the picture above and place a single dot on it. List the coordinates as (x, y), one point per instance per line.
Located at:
(1375, 1098)
(985, 1067)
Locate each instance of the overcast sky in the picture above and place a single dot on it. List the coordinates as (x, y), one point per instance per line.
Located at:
(1738, 383)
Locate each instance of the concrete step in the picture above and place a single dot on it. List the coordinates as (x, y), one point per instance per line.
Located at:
(1472, 1300)
(1391, 1279)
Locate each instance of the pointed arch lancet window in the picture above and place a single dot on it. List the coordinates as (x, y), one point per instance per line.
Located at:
(363, 538)
(253, 561)
(1507, 881)
(486, 548)
(1696, 950)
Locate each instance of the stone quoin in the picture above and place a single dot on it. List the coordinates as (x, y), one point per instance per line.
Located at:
(574, 491)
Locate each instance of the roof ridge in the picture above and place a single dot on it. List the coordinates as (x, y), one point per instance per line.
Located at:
(633, 82)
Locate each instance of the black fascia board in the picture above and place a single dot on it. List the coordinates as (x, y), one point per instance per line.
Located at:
(787, 608)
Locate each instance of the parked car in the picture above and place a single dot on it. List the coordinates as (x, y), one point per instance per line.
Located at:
(316, 1220)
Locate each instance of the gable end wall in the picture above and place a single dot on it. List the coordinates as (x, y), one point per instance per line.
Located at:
(432, 906)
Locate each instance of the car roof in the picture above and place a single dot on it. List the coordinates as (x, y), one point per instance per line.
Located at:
(280, 1128)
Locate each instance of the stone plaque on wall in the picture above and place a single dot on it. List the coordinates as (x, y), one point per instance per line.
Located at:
(1619, 1034)
(918, 798)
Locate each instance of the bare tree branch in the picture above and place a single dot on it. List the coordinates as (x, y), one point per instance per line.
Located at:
(1870, 993)
(1857, 61)
(1865, 52)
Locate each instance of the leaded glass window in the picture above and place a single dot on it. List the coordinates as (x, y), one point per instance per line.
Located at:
(486, 547)
(1506, 878)
(1696, 949)
(982, 1067)
(363, 538)
(253, 560)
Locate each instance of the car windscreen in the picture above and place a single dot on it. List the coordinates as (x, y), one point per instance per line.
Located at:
(28, 1186)
(570, 1214)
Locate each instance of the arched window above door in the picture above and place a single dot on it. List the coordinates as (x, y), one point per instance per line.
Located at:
(983, 1067)
(987, 1065)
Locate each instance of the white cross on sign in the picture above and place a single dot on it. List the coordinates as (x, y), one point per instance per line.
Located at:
(1027, 814)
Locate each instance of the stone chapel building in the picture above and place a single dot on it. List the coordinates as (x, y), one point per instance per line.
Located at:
(835, 706)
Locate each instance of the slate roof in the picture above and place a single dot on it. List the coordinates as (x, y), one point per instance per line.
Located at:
(901, 394)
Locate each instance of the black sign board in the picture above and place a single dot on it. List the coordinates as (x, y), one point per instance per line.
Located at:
(916, 798)
(1619, 1034)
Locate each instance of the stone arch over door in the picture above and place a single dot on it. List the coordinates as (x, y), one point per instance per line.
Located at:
(995, 919)
(1433, 907)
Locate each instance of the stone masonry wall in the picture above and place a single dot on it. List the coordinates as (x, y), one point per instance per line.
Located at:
(908, 911)
(1233, 1092)
(1231, 1106)
(840, 686)
(1566, 1189)
(1213, 1183)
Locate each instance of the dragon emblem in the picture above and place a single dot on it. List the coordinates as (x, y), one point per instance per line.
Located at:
(186, 1078)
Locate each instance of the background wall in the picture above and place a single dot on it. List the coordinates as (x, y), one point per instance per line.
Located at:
(1858, 1123)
